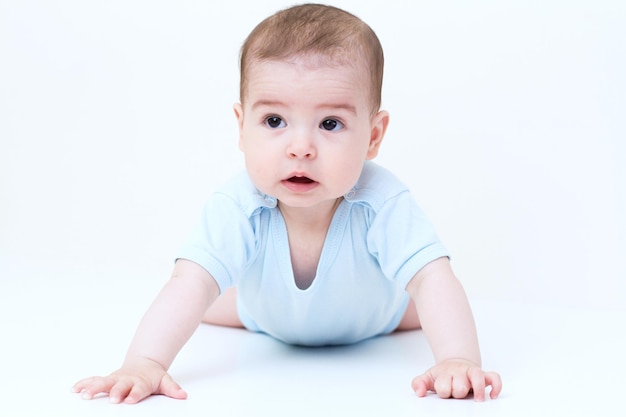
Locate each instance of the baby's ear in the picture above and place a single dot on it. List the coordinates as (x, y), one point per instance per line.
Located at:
(379, 127)
(238, 109)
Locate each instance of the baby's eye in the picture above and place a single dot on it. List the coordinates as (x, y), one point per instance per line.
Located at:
(274, 122)
(331, 125)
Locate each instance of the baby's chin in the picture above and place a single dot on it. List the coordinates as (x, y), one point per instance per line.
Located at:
(316, 204)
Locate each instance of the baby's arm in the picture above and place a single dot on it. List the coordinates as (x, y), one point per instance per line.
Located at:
(165, 328)
(448, 324)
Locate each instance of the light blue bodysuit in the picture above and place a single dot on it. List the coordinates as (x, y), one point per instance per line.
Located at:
(377, 241)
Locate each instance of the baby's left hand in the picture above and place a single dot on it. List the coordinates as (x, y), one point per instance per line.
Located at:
(456, 378)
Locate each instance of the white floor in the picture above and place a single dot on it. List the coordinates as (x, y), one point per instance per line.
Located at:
(553, 361)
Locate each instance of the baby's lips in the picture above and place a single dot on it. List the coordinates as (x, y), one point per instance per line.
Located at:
(300, 180)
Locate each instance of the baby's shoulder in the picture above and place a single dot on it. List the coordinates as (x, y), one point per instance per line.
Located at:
(239, 191)
(376, 186)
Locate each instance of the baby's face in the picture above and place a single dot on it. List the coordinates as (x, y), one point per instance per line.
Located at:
(307, 129)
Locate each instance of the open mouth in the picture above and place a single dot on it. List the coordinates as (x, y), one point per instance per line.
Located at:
(300, 180)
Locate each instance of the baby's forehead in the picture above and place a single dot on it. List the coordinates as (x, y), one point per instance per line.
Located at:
(334, 69)
(343, 65)
(340, 64)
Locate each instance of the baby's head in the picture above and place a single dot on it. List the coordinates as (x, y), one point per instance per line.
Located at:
(309, 115)
(323, 34)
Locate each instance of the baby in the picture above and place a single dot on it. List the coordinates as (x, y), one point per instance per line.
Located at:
(314, 244)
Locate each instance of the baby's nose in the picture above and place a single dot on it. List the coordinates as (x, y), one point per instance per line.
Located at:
(301, 147)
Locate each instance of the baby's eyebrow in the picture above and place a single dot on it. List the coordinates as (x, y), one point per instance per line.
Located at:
(338, 106)
(324, 106)
(267, 103)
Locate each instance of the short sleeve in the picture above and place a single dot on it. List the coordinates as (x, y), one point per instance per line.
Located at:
(223, 241)
(402, 239)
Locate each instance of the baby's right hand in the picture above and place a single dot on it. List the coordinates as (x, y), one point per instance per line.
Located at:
(131, 383)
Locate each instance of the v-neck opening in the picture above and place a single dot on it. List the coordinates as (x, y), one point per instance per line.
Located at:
(327, 255)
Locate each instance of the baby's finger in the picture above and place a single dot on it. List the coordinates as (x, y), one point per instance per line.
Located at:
(85, 382)
(443, 386)
(94, 386)
(137, 393)
(493, 379)
(170, 388)
(460, 386)
(80, 385)
(119, 391)
(422, 384)
(477, 381)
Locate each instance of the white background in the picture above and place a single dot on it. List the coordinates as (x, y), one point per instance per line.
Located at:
(507, 123)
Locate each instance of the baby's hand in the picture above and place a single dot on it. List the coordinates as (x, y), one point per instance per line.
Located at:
(131, 383)
(456, 378)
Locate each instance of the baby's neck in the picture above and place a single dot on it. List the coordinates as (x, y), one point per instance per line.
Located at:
(310, 218)
(306, 231)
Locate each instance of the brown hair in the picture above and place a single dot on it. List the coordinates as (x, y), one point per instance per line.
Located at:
(315, 30)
